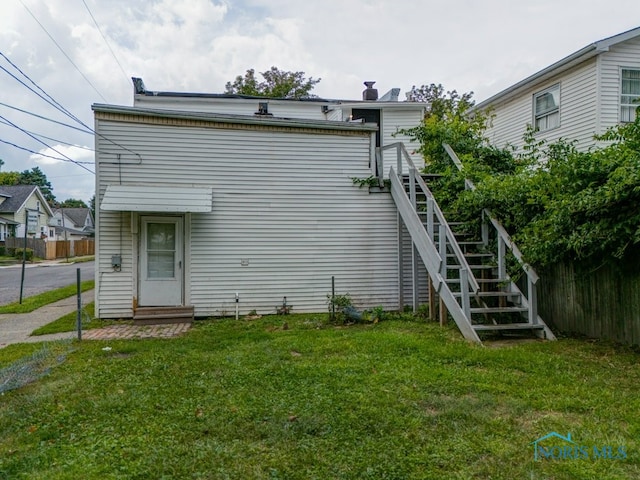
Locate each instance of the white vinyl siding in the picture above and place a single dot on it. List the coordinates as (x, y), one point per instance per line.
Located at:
(286, 217)
(623, 56)
(578, 111)
(396, 119)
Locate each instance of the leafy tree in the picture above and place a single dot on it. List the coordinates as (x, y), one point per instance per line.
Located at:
(72, 203)
(277, 84)
(9, 178)
(447, 120)
(559, 204)
(35, 176)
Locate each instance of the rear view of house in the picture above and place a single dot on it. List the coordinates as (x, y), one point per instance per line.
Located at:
(196, 206)
(203, 212)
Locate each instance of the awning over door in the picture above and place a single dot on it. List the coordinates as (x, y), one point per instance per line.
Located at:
(166, 199)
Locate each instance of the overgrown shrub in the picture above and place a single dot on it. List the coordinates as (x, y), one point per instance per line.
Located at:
(556, 202)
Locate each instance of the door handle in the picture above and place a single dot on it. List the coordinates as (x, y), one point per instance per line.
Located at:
(180, 264)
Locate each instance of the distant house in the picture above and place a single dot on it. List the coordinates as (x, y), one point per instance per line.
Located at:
(71, 224)
(15, 202)
(575, 98)
(204, 196)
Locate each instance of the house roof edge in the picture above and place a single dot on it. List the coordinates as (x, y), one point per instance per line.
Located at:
(237, 119)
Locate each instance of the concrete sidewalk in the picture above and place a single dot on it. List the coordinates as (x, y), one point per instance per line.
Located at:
(16, 327)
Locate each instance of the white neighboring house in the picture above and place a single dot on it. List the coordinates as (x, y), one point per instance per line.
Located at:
(71, 224)
(576, 98)
(15, 202)
(202, 197)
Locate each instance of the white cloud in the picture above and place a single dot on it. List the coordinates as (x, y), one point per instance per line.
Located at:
(62, 154)
(199, 45)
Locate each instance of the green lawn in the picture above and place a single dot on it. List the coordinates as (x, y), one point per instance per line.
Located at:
(30, 304)
(250, 400)
(68, 322)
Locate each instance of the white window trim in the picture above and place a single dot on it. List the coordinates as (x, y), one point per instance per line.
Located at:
(536, 117)
(621, 105)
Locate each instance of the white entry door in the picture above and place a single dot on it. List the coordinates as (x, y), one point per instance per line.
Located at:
(161, 262)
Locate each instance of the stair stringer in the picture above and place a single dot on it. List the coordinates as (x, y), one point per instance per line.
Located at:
(430, 257)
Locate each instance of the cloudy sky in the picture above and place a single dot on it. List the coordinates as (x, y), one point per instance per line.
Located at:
(82, 52)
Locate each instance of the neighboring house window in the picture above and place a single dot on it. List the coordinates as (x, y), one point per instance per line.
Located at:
(546, 108)
(38, 205)
(630, 95)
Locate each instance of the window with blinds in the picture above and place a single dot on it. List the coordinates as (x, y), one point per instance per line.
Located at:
(630, 94)
(546, 108)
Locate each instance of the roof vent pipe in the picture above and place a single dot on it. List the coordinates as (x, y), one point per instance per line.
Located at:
(370, 93)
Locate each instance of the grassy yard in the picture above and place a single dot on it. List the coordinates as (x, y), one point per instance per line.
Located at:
(34, 302)
(67, 323)
(250, 400)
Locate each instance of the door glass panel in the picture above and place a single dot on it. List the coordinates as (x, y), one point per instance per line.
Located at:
(161, 250)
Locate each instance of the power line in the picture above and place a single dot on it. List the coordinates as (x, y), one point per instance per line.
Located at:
(59, 107)
(105, 41)
(46, 145)
(41, 154)
(53, 139)
(88, 131)
(63, 52)
(53, 102)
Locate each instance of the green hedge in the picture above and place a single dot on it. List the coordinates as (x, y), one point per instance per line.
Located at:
(19, 253)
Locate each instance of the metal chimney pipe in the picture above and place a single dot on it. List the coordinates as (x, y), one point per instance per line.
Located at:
(370, 93)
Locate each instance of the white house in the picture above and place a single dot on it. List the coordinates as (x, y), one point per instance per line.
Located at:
(71, 223)
(575, 98)
(202, 197)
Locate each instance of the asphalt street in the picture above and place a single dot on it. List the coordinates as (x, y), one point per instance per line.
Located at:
(40, 278)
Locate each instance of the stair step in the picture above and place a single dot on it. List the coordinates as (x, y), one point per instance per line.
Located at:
(473, 266)
(162, 315)
(507, 326)
(479, 280)
(490, 294)
(499, 310)
(162, 321)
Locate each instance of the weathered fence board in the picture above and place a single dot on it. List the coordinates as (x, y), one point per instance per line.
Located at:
(54, 249)
(38, 246)
(602, 304)
(63, 248)
(84, 247)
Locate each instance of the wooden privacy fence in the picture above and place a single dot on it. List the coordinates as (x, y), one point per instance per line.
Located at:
(50, 250)
(601, 304)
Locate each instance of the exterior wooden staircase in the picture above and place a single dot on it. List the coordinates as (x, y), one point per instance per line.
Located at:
(465, 273)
